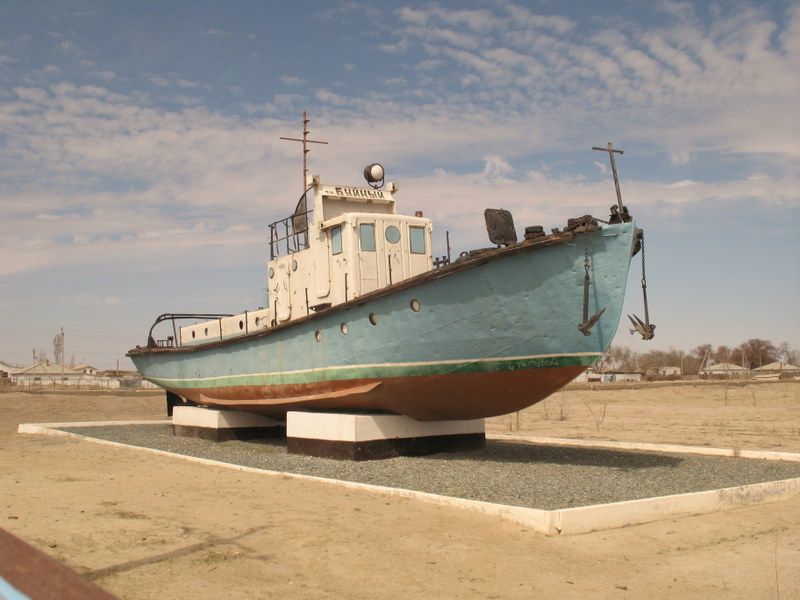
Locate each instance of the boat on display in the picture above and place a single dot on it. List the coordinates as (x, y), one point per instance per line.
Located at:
(360, 314)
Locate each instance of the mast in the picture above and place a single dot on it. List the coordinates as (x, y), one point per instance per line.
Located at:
(305, 141)
(611, 150)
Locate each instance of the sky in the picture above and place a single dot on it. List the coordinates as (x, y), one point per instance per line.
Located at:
(140, 163)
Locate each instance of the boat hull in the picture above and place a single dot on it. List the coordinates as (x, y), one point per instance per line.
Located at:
(493, 335)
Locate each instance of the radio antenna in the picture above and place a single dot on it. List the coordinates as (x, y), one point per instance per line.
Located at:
(305, 141)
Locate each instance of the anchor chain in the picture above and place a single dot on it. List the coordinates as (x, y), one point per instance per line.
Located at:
(645, 329)
(585, 326)
(644, 272)
(586, 265)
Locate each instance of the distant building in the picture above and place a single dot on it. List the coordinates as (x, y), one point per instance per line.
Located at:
(778, 367)
(669, 372)
(590, 376)
(85, 369)
(725, 370)
(777, 370)
(45, 373)
(618, 377)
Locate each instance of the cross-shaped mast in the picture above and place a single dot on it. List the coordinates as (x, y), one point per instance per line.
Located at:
(611, 150)
(305, 141)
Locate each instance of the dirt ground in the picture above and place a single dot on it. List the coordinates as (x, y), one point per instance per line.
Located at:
(145, 526)
(732, 415)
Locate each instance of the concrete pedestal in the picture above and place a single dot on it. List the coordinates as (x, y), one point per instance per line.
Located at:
(372, 436)
(222, 425)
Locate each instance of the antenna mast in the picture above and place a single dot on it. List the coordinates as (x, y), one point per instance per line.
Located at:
(305, 141)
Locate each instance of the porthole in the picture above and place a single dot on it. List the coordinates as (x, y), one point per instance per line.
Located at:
(318, 336)
(271, 272)
(241, 324)
(193, 334)
(415, 305)
(373, 318)
(343, 328)
(294, 265)
(206, 331)
(392, 234)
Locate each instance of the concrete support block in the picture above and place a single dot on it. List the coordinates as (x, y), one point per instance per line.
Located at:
(221, 425)
(373, 436)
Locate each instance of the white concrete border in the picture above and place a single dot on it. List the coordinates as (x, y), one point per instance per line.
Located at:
(567, 521)
(675, 448)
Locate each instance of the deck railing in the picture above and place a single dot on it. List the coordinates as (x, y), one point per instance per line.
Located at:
(174, 339)
(289, 235)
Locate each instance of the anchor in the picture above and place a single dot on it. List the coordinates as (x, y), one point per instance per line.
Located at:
(586, 326)
(646, 329)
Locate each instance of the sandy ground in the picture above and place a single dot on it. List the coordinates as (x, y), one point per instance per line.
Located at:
(144, 526)
(736, 415)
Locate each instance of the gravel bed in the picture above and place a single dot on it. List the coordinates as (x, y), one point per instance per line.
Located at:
(515, 473)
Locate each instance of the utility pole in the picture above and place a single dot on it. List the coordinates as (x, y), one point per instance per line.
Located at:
(611, 150)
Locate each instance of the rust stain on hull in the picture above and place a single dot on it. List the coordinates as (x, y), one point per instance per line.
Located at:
(425, 398)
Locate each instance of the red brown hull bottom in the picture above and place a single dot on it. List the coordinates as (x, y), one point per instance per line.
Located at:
(425, 398)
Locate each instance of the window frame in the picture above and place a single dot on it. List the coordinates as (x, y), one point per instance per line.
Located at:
(411, 240)
(336, 236)
(361, 228)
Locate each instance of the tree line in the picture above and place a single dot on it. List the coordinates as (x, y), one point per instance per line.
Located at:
(751, 354)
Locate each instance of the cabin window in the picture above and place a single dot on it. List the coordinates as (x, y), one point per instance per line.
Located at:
(367, 235)
(392, 234)
(336, 240)
(417, 237)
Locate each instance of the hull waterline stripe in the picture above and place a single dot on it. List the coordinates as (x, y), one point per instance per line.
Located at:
(375, 371)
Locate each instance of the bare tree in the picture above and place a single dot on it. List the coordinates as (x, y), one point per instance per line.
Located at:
(757, 353)
(787, 354)
(722, 354)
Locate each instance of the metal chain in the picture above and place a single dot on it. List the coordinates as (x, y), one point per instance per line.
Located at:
(644, 275)
(586, 250)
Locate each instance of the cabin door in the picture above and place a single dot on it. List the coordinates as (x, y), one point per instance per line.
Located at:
(280, 292)
(392, 245)
(367, 258)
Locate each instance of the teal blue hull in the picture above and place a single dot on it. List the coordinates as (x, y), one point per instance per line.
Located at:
(493, 335)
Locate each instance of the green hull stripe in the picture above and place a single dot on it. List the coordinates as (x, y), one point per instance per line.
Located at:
(379, 372)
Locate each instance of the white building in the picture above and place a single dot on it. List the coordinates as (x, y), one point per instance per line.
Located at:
(45, 373)
(777, 370)
(722, 370)
(669, 372)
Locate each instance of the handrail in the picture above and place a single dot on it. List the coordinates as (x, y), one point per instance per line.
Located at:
(152, 343)
(293, 230)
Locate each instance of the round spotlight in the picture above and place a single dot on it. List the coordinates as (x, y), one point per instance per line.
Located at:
(374, 175)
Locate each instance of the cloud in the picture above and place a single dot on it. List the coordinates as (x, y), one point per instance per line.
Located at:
(90, 174)
(496, 166)
(216, 32)
(292, 80)
(726, 84)
(92, 300)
